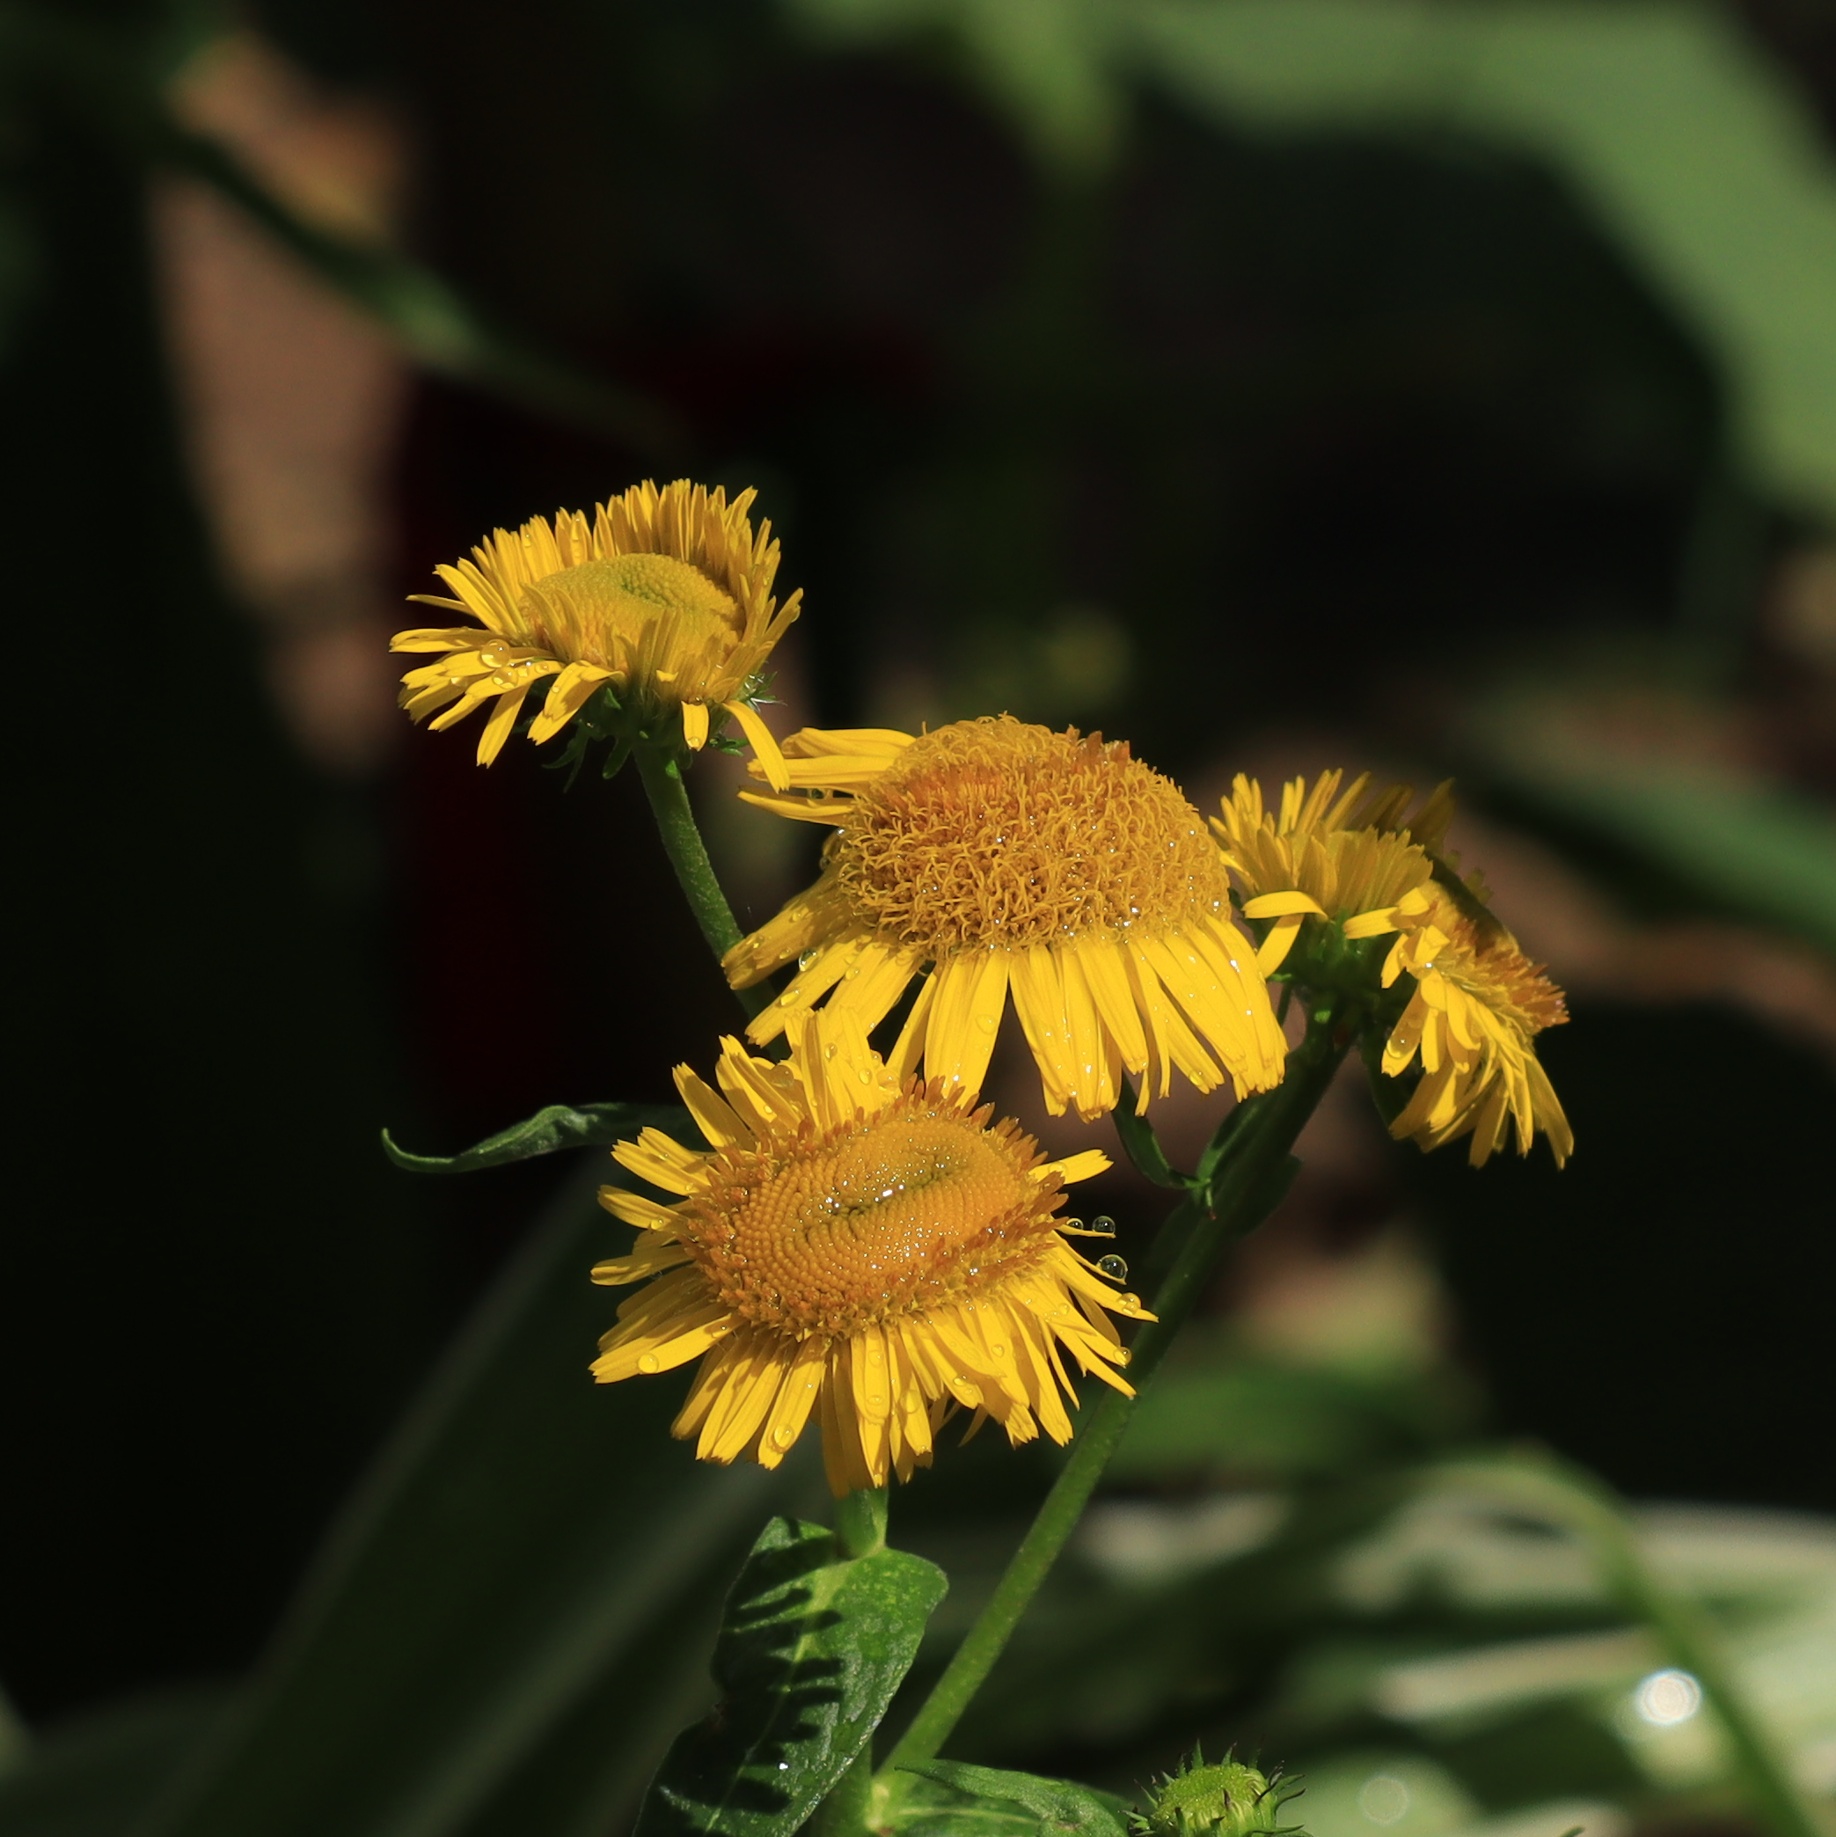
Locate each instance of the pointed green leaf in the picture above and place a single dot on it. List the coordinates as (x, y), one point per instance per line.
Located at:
(958, 1800)
(812, 1648)
(93, 1777)
(1142, 1146)
(528, 1546)
(558, 1126)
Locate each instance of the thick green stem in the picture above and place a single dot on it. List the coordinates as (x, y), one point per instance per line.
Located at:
(845, 1811)
(860, 1522)
(860, 1530)
(1247, 1188)
(661, 773)
(1577, 1500)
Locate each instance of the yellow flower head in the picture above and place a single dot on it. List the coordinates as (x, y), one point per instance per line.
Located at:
(858, 1246)
(1360, 859)
(1008, 857)
(1354, 858)
(1472, 1021)
(665, 596)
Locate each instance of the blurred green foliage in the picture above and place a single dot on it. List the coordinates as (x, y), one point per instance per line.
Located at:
(511, 1618)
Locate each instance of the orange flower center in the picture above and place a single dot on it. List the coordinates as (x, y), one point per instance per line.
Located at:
(600, 611)
(1000, 832)
(878, 1218)
(1493, 970)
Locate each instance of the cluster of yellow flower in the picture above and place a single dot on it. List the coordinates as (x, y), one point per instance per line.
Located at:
(860, 1238)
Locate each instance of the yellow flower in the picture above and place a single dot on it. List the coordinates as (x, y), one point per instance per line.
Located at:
(1472, 1021)
(1361, 860)
(665, 596)
(1008, 857)
(860, 1247)
(1355, 858)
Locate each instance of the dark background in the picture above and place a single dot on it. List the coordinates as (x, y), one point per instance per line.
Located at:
(1266, 453)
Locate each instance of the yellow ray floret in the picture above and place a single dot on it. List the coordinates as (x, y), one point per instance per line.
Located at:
(665, 595)
(1363, 861)
(1012, 861)
(860, 1248)
(1471, 1023)
(1354, 857)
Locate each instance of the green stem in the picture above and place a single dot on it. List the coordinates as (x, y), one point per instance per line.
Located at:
(860, 1522)
(1248, 1187)
(111, 75)
(845, 1811)
(1579, 1501)
(661, 773)
(860, 1530)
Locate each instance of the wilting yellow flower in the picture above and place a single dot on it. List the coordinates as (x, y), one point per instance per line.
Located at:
(665, 596)
(1362, 860)
(1354, 858)
(1009, 857)
(860, 1246)
(1472, 1021)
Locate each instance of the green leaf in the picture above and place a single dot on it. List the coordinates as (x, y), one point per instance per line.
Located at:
(810, 1652)
(1142, 1146)
(528, 1543)
(1738, 843)
(549, 1131)
(1693, 153)
(92, 1778)
(1690, 150)
(993, 1801)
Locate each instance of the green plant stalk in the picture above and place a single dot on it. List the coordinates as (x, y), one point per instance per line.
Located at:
(845, 1812)
(661, 773)
(1246, 1190)
(1579, 1501)
(860, 1522)
(860, 1530)
(111, 76)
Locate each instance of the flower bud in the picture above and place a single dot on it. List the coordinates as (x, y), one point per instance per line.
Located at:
(1226, 1800)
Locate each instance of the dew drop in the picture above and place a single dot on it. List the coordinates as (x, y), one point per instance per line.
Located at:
(807, 958)
(784, 1435)
(1114, 1268)
(1103, 1225)
(1074, 1224)
(986, 1022)
(648, 1361)
(1129, 1301)
(499, 680)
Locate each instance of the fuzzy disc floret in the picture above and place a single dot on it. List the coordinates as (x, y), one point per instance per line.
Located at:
(998, 832)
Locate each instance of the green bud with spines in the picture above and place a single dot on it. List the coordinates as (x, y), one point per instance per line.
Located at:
(1229, 1799)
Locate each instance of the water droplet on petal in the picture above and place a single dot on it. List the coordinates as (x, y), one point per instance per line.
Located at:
(1114, 1268)
(1103, 1225)
(987, 1022)
(648, 1361)
(784, 1435)
(1129, 1301)
(807, 958)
